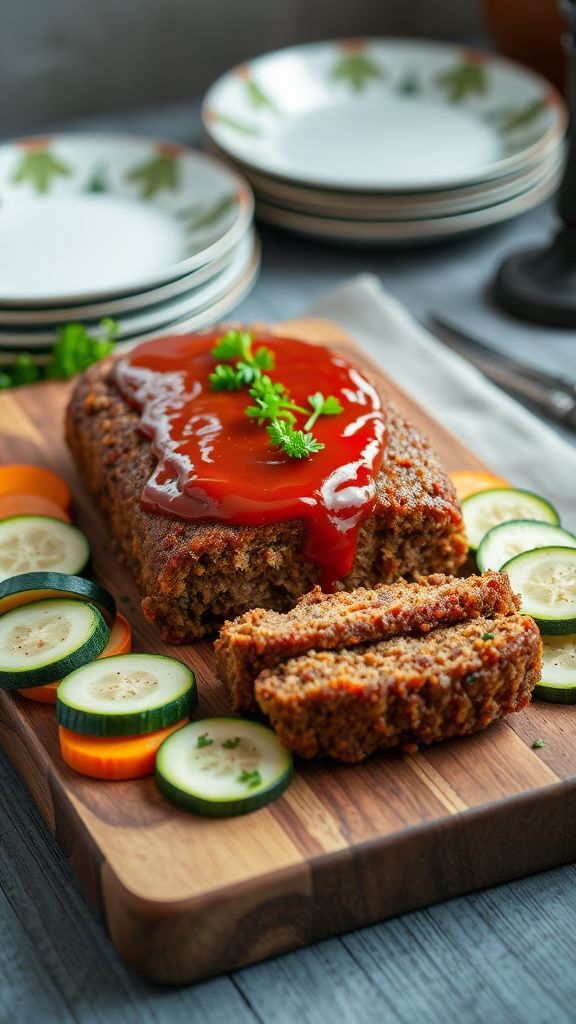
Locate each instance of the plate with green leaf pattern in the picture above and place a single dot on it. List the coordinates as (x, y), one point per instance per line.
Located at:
(387, 115)
(86, 217)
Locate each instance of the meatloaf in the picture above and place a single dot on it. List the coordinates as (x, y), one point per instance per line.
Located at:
(453, 681)
(193, 575)
(263, 639)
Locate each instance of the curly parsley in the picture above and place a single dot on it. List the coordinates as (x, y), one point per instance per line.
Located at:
(272, 405)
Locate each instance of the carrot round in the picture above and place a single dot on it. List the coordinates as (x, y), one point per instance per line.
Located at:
(470, 481)
(30, 505)
(111, 757)
(119, 642)
(23, 479)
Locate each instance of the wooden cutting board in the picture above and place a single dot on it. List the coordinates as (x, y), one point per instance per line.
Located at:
(185, 897)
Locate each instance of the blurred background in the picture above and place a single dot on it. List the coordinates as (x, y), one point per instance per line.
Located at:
(61, 58)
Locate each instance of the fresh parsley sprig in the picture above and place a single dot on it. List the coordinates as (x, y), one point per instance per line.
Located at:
(272, 403)
(75, 350)
(296, 443)
(322, 407)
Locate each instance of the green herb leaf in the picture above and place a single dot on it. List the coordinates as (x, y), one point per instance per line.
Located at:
(250, 778)
(24, 370)
(322, 407)
(234, 345)
(264, 358)
(231, 744)
(225, 378)
(471, 678)
(537, 744)
(487, 636)
(5, 380)
(204, 740)
(296, 443)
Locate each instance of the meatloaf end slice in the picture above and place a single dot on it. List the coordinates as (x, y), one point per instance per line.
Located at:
(192, 576)
(263, 639)
(410, 690)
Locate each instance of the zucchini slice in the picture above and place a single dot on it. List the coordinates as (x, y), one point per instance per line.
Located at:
(42, 641)
(546, 581)
(32, 543)
(223, 766)
(126, 695)
(40, 586)
(503, 542)
(486, 509)
(558, 683)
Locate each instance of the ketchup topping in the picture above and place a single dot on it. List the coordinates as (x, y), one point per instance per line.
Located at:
(214, 464)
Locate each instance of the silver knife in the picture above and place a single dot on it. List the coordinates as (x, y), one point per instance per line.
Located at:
(554, 395)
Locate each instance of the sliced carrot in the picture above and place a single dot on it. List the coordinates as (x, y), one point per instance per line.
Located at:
(22, 479)
(112, 757)
(119, 642)
(30, 505)
(470, 481)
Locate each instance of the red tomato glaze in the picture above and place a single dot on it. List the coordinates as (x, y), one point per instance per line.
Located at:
(216, 464)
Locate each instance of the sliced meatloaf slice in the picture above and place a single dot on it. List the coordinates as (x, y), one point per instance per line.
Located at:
(263, 639)
(193, 575)
(456, 680)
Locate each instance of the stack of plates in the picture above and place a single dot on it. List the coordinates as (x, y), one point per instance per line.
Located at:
(156, 236)
(388, 141)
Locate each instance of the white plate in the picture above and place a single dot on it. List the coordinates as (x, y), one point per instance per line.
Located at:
(392, 233)
(395, 207)
(159, 315)
(49, 316)
(86, 217)
(385, 114)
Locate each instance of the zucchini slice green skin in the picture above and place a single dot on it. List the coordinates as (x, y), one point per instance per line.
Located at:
(550, 622)
(525, 535)
(562, 689)
(187, 789)
(74, 547)
(542, 510)
(42, 586)
(78, 711)
(76, 653)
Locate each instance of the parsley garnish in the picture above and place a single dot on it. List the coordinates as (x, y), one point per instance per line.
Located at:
(471, 678)
(204, 740)
(295, 443)
(538, 744)
(488, 636)
(231, 744)
(250, 778)
(272, 403)
(75, 350)
(322, 407)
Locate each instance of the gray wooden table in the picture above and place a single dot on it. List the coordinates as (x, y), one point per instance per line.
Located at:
(503, 955)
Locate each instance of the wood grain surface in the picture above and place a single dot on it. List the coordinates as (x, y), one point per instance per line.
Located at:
(185, 897)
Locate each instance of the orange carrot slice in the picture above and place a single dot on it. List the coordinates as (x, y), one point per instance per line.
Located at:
(470, 481)
(111, 757)
(23, 479)
(119, 642)
(30, 505)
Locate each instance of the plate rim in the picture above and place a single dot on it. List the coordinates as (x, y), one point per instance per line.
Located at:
(490, 170)
(174, 271)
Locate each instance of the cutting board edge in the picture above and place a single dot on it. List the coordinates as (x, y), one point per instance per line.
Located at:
(285, 913)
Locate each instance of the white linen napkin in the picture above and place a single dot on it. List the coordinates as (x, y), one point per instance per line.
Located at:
(506, 436)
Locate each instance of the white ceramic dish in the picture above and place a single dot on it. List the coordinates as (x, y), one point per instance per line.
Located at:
(401, 208)
(400, 233)
(49, 316)
(382, 114)
(159, 315)
(89, 217)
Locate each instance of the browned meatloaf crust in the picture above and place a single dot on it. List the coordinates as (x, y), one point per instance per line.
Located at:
(455, 680)
(191, 576)
(263, 639)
